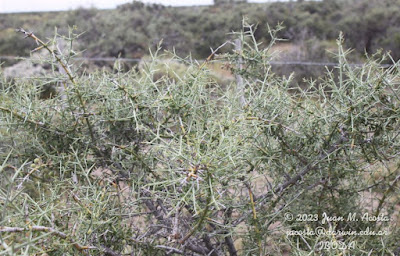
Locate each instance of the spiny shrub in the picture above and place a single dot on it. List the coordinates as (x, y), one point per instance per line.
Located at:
(121, 163)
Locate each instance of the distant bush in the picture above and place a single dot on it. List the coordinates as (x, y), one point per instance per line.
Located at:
(122, 163)
(131, 28)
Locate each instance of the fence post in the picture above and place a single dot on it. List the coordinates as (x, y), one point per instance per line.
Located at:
(239, 78)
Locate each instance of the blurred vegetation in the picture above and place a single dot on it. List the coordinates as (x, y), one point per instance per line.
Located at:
(130, 29)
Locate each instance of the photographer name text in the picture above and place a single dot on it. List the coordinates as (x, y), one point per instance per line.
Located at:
(353, 217)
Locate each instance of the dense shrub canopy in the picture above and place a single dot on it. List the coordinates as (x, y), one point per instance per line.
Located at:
(123, 163)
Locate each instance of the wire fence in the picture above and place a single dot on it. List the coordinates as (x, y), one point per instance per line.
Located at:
(137, 60)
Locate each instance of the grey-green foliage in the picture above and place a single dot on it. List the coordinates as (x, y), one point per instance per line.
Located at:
(124, 163)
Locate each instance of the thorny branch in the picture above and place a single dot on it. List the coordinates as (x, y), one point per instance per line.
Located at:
(70, 76)
(59, 234)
